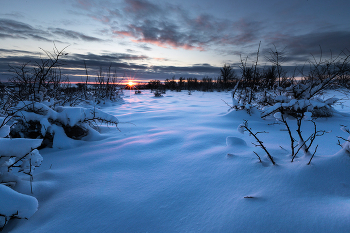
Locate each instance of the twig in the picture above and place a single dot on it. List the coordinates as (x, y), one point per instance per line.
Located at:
(261, 144)
(13, 165)
(312, 155)
(292, 140)
(258, 156)
(227, 103)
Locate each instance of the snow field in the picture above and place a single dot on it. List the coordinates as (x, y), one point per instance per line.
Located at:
(182, 166)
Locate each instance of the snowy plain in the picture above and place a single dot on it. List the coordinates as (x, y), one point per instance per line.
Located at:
(179, 164)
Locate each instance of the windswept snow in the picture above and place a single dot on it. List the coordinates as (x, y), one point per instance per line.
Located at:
(171, 169)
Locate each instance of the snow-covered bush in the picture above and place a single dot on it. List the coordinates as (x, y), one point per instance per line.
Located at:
(346, 144)
(303, 100)
(19, 154)
(39, 120)
(106, 87)
(15, 205)
(36, 109)
(16, 155)
(42, 81)
(157, 93)
(37, 80)
(245, 90)
(299, 107)
(289, 95)
(306, 95)
(293, 100)
(46, 124)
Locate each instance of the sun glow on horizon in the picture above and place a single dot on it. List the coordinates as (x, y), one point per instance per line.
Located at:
(131, 83)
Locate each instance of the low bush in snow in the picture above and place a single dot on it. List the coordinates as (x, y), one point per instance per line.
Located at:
(158, 93)
(16, 156)
(292, 100)
(30, 125)
(299, 96)
(55, 125)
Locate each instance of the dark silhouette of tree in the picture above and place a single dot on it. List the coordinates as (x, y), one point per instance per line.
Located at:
(180, 84)
(269, 77)
(277, 58)
(153, 84)
(227, 75)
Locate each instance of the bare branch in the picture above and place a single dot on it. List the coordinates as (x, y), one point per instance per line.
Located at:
(261, 144)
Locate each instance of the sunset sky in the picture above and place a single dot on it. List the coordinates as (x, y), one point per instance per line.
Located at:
(149, 39)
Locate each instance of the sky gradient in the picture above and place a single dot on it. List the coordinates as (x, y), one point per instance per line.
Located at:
(148, 39)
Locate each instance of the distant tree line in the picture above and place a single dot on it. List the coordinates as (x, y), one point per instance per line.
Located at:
(254, 77)
(227, 80)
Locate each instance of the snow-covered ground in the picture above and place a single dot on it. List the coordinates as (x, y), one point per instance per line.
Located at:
(179, 164)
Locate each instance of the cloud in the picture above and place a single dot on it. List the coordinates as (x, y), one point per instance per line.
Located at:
(15, 51)
(73, 65)
(337, 40)
(145, 47)
(123, 33)
(300, 48)
(107, 57)
(249, 32)
(171, 26)
(142, 8)
(160, 59)
(8, 36)
(13, 29)
(86, 4)
(73, 35)
(202, 69)
(14, 14)
(159, 33)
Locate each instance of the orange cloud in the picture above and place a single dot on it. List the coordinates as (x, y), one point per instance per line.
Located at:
(123, 33)
(160, 58)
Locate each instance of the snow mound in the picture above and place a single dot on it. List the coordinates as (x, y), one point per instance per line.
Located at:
(74, 115)
(60, 140)
(4, 131)
(235, 141)
(14, 204)
(11, 148)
